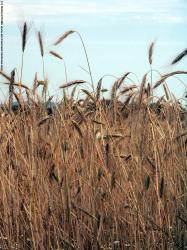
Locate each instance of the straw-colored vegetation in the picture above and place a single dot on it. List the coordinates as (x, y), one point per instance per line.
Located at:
(92, 173)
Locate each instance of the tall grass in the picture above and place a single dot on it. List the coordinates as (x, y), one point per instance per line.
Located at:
(96, 173)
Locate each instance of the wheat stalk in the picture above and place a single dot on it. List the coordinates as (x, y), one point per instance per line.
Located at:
(5, 76)
(71, 83)
(150, 52)
(41, 44)
(24, 36)
(64, 36)
(179, 57)
(55, 54)
(11, 89)
(98, 89)
(164, 77)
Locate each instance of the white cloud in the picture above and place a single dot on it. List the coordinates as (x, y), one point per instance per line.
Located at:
(161, 11)
(160, 18)
(9, 14)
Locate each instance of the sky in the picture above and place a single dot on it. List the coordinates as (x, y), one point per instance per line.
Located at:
(116, 33)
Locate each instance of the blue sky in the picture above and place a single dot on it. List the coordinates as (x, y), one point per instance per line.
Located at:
(117, 34)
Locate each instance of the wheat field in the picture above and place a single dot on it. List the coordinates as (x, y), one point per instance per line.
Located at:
(91, 172)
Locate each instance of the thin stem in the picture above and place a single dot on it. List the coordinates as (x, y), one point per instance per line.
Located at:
(89, 68)
(151, 71)
(151, 75)
(22, 60)
(65, 71)
(66, 76)
(43, 68)
(16, 70)
(45, 82)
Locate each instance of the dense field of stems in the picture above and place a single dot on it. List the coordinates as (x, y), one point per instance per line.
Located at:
(91, 172)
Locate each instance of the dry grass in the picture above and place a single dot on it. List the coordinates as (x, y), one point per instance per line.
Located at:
(96, 173)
